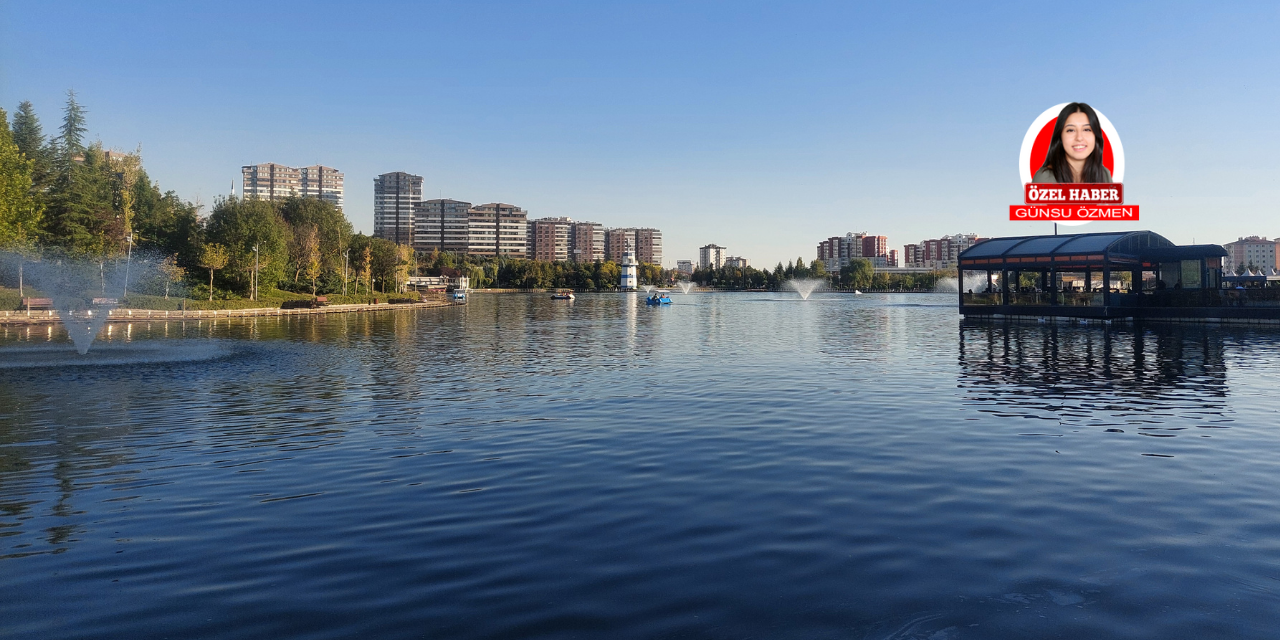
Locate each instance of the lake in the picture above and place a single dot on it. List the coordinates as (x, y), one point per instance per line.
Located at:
(733, 466)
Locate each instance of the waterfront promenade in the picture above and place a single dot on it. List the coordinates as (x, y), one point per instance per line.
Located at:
(132, 315)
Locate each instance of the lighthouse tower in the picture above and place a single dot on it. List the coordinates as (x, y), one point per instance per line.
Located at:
(629, 271)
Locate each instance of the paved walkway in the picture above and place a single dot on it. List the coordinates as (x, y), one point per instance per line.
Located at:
(131, 315)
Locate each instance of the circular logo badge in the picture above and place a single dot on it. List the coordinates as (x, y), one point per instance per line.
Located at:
(1035, 145)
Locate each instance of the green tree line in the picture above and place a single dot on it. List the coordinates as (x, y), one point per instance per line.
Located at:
(858, 274)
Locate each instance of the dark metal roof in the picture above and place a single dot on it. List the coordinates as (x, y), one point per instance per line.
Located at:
(1146, 245)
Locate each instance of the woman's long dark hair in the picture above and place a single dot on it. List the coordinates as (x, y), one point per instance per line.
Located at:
(1056, 160)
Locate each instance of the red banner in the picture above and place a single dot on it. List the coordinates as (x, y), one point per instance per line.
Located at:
(1058, 213)
(1074, 193)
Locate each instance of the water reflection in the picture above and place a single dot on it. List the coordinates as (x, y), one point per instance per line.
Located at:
(1112, 377)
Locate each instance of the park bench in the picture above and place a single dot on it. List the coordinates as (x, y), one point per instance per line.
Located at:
(37, 303)
(321, 301)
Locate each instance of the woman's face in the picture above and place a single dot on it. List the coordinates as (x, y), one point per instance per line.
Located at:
(1077, 136)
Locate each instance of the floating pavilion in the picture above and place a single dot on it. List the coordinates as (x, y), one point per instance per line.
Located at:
(1129, 274)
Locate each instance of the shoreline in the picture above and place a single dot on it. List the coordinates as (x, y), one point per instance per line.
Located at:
(20, 318)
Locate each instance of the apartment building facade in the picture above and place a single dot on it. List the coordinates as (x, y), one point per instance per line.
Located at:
(587, 242)
(737, 262)
(685, 267)
(644, 241)
(394, 195)
(711, 256)
(836, 252)
(497, 229)
(271, 181)
(939, 253)
(549, 239)
(1253, 252)
(441, 224)
(319, 181)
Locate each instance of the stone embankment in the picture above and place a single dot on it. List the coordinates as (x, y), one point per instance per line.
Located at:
(133, 315)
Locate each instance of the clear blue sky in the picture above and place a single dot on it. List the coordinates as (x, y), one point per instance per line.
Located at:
(763, 127)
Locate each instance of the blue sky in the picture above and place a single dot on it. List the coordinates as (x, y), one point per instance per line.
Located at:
(763, 127)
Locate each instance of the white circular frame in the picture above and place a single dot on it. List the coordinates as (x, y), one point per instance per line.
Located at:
(1029, 141)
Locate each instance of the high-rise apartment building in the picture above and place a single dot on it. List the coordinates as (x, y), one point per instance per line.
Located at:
(910, 255)
(497, 229)
(321, 182)
(552, 239)
(271, 181)
(1252, 252)
(644, 241)
(875, 246)
(649, 246)
(587, 243)
(836, 252)
(737, 262)
(711, 256)
(940, 253)
(441, 224)
(685, 267)
(549, 239)
(617, 242)
(394, 195)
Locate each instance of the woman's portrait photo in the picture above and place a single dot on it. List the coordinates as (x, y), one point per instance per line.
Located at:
(1076, 148)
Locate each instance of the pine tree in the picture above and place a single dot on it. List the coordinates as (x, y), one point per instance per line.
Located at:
(71, 138)
(29, 136)
(27, 132)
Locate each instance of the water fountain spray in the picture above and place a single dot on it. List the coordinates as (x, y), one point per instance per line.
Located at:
(804, 287)
(82, 288)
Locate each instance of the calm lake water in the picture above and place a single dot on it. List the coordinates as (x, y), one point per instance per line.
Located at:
(731, 466)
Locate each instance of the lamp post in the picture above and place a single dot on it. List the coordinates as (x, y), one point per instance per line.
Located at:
(255, 271)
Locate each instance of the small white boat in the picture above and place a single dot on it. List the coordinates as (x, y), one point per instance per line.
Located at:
(856, 292)
(562, 295)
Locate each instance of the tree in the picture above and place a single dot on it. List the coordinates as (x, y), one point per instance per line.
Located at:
(80, 215)
(125, 169)
(71, 133)
(213, 257)
(367, 267)
(311, 254)
(404, 266)
(240, 224)
(857, 274)
(332, 227)
(29, 136)
(20, 213)
(173, 272)
(165, 223)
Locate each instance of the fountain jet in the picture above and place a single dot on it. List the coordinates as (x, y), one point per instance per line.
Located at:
(83, 290)
(804, 287)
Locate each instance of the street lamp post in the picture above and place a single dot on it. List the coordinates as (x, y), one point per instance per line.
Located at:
(255, 271)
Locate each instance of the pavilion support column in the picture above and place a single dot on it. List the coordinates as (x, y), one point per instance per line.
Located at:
(1053, 289)
(1004, 287)
(1106, 285)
